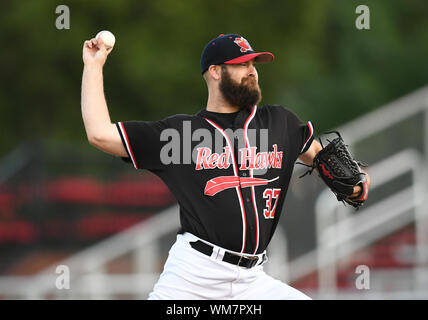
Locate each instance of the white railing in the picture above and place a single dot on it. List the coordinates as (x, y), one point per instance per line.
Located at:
(339, 233)
(346, 235)
(332, 218)
(87, 268)
(388, 115)
(336, 239)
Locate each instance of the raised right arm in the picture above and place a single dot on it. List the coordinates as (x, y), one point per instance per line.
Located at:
(101, 132)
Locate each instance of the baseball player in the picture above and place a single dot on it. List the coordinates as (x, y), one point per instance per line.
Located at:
(229, 166)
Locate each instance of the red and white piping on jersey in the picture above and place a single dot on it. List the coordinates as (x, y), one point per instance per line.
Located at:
(238, 191)
(128, 144)
(247, 145)
(311, 131)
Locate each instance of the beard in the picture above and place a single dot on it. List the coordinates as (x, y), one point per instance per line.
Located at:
(244, 95)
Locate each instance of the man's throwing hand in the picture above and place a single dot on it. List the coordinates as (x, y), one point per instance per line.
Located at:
(95, 52)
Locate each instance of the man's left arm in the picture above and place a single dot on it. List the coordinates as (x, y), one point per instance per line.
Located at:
(308, 159)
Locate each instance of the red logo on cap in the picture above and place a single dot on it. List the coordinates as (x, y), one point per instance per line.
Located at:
(243, 43)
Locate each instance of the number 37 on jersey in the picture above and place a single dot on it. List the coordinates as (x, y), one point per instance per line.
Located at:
(271, 195)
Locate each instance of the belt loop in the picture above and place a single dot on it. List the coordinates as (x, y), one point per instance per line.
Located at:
(221, 253)
(263, 258)
(218, 253)
(214, 255)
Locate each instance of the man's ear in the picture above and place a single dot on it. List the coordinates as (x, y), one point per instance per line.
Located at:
(215, 72)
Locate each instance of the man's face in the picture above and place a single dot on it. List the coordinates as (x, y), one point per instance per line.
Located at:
(239, 84)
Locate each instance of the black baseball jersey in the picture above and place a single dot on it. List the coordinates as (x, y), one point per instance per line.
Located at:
(229, 172)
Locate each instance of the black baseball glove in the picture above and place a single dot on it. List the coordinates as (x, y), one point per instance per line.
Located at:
(340, 172)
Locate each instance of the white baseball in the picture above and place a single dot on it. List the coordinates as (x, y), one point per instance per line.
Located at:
(107, 37)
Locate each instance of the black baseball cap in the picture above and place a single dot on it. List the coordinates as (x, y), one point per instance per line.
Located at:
(230, 49)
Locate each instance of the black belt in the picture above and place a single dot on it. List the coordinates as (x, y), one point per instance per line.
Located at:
(239, 260)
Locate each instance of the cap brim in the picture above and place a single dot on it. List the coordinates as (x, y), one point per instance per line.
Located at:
(260, 57)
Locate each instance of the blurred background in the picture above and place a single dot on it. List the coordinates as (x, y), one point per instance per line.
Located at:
(63, 202)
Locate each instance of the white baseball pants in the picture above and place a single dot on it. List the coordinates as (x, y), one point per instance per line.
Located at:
(191, 275)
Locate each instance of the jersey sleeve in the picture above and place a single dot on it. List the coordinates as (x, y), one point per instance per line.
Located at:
(301, 132)
(142, 142)
(307, 132)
